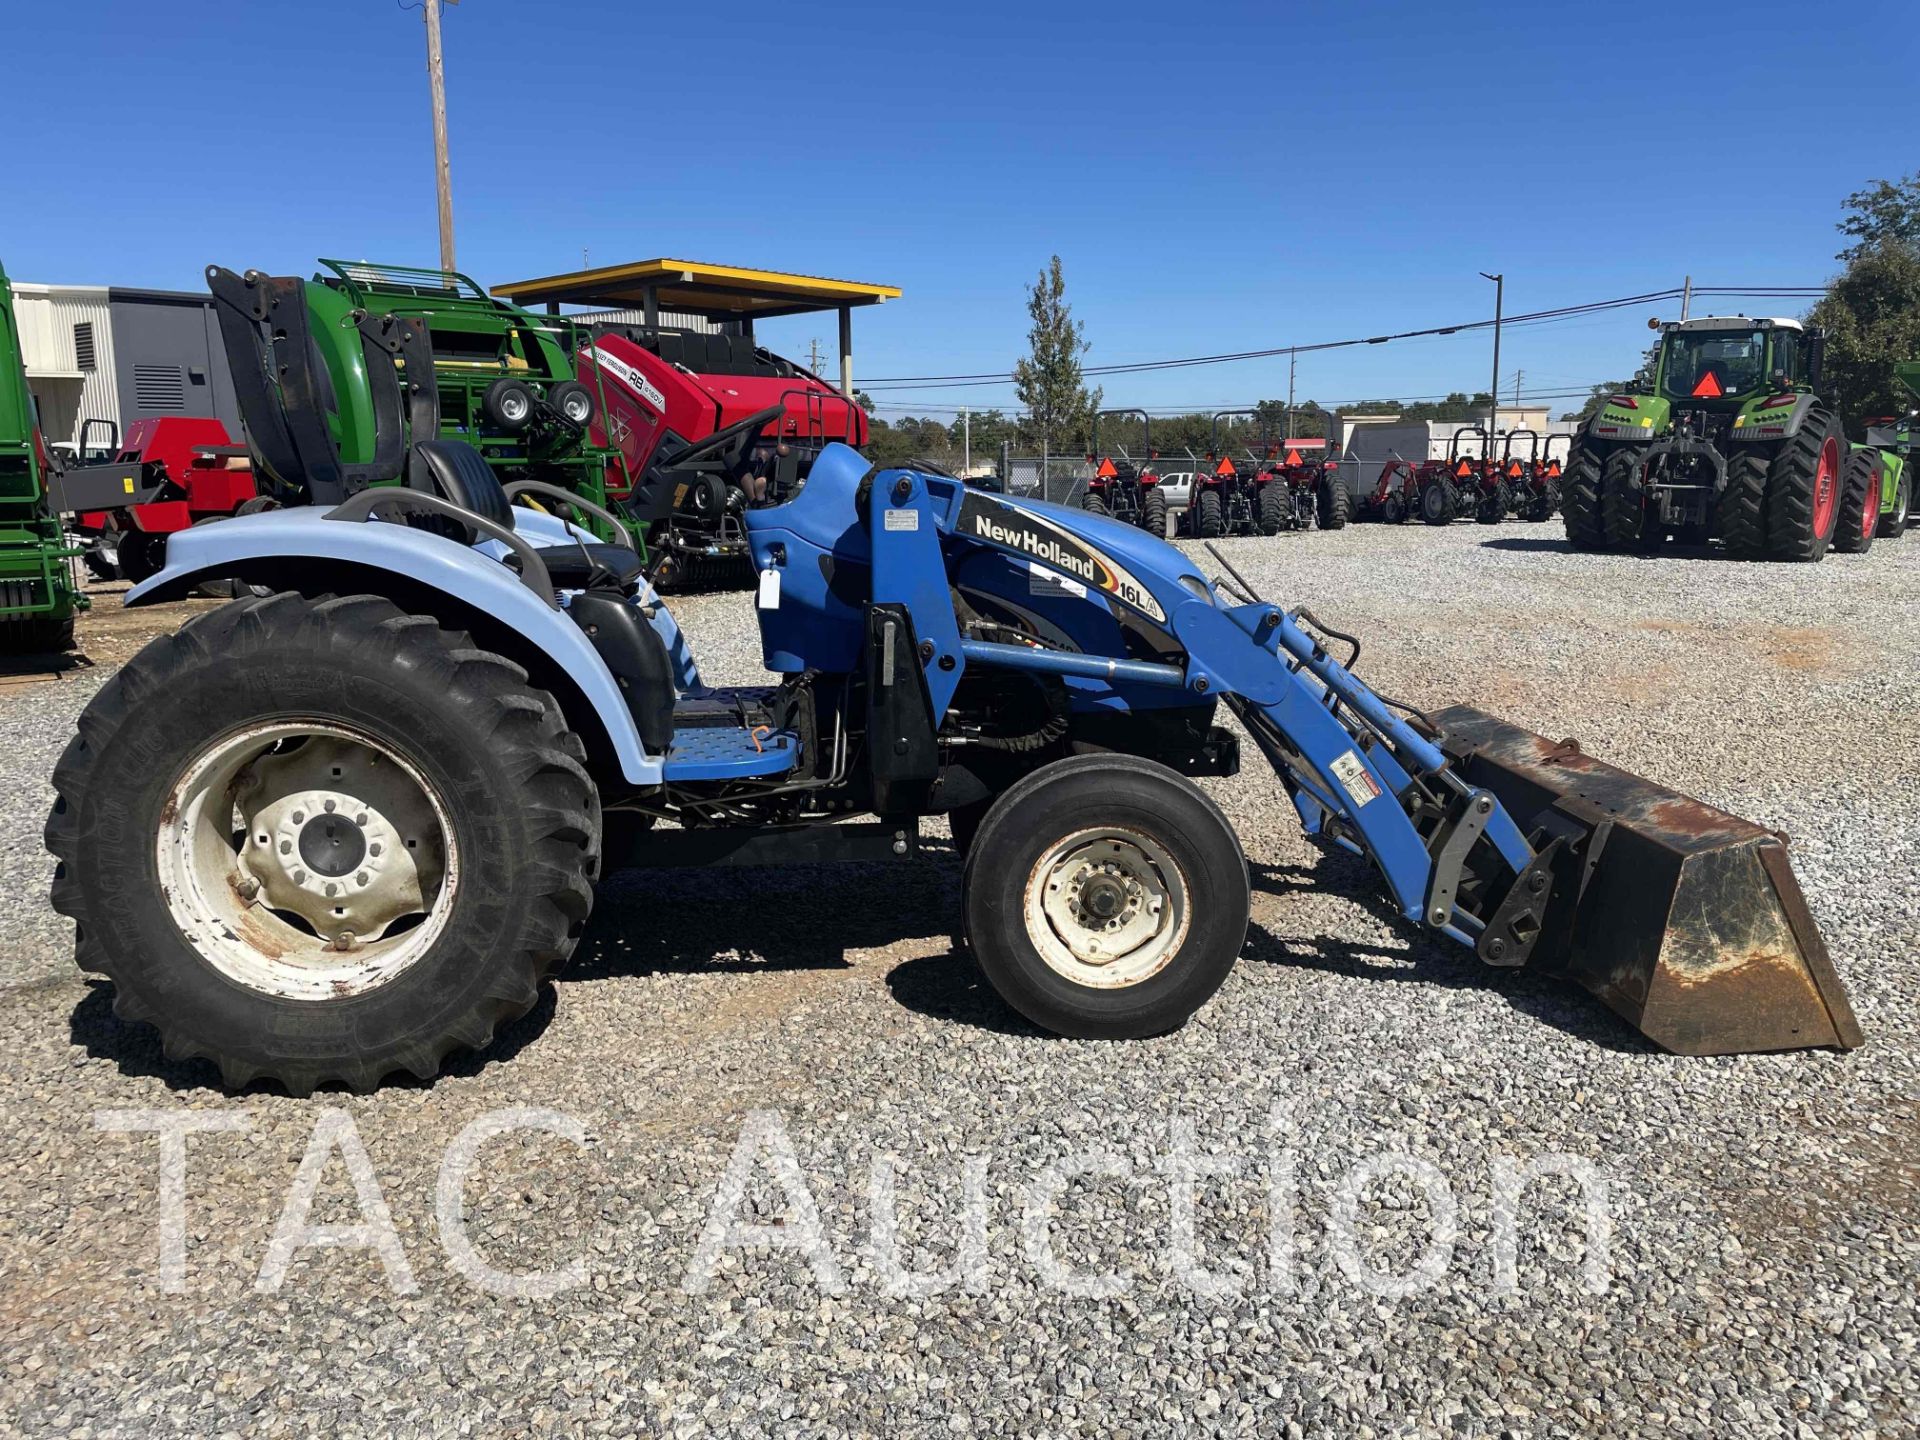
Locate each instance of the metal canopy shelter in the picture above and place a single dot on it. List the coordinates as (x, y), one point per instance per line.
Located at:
(723, 293)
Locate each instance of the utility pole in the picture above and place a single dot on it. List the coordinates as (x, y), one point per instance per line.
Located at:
(1290, 360)
(1493, 395)
(1686, 296)
(443, 180)
(813, 355)
(1517, 374)
(966, 440)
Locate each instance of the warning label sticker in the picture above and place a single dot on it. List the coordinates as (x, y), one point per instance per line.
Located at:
(1354, 777)
(901, 520)
(1042, 581)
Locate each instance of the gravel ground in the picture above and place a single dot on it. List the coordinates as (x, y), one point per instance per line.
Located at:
(1759, 1278)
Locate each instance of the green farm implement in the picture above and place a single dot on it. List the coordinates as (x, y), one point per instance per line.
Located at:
(39, 589)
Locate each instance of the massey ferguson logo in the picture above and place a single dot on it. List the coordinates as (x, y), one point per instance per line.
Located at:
(627, 375)
(1029, 536)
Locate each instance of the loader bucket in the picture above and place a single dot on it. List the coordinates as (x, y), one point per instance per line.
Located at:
(1684, 919)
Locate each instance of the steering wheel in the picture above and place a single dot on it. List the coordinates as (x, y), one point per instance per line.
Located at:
(729, 445)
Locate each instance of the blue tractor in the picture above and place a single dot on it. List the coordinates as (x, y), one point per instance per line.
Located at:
(339, 828)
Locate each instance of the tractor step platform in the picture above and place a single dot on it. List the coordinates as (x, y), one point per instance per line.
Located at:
(725, 734)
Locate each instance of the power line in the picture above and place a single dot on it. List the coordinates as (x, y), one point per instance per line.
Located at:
(1536, 317)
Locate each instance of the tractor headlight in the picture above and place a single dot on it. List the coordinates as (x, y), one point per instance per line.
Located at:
(1198, 587)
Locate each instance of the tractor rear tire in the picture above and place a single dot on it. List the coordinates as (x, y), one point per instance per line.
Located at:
(1803, 491)
(1740, 510)
(1893, 521)
(1272, 507)
(458, 823)
(1393, 510)
(1623, 500)
(1495, 504)
(1094, 503)
(1580, 499)
(1859, 522)
(1335, 504)
(1439, 502)
(1153, 514)
(1209, 515)
(1541, 506)
(1109, 851)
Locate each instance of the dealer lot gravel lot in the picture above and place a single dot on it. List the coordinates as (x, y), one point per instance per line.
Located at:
(1757, 1278)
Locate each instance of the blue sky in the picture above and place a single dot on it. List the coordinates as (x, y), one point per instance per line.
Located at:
(1215, 177)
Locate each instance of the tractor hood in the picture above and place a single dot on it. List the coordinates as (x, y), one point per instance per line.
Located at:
(1131, 566)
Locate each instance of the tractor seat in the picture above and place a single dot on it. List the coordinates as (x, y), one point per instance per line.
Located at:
(457, 472)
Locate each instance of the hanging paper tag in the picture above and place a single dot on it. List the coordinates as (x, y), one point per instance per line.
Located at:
(769, 589)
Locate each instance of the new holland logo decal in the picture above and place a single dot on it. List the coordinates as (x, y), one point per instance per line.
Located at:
(1029, 535)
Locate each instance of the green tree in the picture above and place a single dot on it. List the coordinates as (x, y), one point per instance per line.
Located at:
(1886, 212)
(1871, 314)
(1049, 380)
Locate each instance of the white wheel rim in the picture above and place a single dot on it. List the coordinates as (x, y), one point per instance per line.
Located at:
(513, 407)
(1107, 908)
(306, 861)
(575, 408)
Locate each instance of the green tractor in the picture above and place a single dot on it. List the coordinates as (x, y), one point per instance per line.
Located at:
(1876, 490)
(1730, 439)
(502, 378)
(39, 586)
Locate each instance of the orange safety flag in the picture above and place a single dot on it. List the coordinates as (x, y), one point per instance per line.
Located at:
(1106, 471)
(1709, 387)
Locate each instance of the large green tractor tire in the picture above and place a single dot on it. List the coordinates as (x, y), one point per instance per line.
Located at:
(1859, 522)
(1893, 520)
(1580, 497)
(1803, 490)
(321, 841)
(1623, 499)
(1740, 510)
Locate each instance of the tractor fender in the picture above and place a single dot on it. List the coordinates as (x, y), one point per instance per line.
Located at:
(1757, 421)
(1648, 418)
(284, 547)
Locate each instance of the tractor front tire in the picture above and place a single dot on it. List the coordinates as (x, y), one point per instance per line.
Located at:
(1439, 502)
(1803, 490)
(1153, 515)
(1740, 510)
(1580, 498)
(1495, 504)
(1334, 505)
(1393, 510)
(322, 841)
(1105, 897)
(1210, 521)
(1623, 499)
(1859, 522)
(1542, 505)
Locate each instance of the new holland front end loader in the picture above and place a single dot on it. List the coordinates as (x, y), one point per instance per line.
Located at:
(342, 829)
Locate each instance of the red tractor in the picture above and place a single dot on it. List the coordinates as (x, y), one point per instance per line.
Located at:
(1537, 492)
(1300, 487)
(1122, 489)
(708, 424)
(172, 472)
